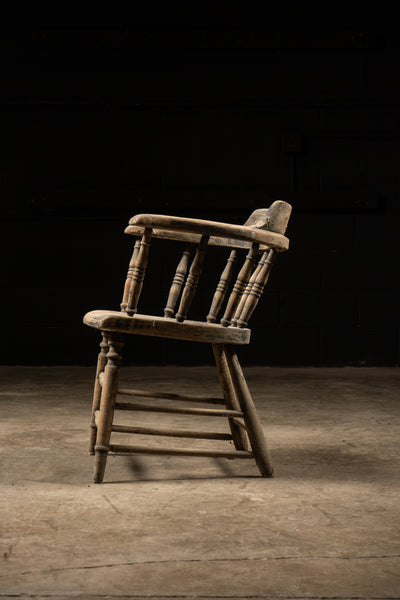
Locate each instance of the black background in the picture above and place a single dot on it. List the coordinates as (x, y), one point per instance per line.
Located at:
(212, 120)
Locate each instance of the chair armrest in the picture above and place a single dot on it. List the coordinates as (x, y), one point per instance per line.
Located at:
(191, 230)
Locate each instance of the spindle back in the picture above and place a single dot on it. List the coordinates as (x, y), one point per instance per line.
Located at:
(262, 236)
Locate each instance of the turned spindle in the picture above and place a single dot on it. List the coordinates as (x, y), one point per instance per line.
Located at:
(257, 288)
(222, 287)
(240, 285)
(138, 272)
(177, 283)
(128, 281)
(192, 280)
(245, 294)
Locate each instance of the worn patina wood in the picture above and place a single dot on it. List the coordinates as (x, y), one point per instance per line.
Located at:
(240, 285)
(222, 288)
(106, 410)
(177, 283)
(196, 452)
(138, 272)
(270, 221)
(186, 228)
(238, 429)
(251, 419)
(129, 277)
(263, 237)
(192, 280)
(250, 300)
(195, 331)
(101, 363)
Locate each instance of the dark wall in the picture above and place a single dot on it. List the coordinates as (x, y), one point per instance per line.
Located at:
(100, 123)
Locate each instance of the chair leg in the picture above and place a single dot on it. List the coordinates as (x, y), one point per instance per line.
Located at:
(101, 363)
(228, 391)
(254, 429)
(107, 402)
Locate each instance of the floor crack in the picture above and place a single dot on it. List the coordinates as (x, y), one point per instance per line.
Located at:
(213, 560)
(112, 505)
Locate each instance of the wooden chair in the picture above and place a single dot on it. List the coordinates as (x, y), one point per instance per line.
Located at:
(261, 238)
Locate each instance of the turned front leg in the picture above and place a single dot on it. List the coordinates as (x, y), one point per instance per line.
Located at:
(101, 363)
(107, 402)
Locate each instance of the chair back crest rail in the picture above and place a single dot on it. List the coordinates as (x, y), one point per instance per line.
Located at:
(262, 236)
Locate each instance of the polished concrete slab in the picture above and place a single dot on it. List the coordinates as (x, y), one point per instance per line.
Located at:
(326, 526)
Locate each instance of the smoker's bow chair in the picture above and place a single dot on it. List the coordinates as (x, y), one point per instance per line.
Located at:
(262, 236)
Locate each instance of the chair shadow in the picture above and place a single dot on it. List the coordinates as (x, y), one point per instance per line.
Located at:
(142, 472)
(317, 463)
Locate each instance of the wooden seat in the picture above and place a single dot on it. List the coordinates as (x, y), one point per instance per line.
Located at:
(156, 326)
(253, 248)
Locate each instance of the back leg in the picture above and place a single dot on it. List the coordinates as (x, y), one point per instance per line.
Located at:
(254, 429)
(239, 436)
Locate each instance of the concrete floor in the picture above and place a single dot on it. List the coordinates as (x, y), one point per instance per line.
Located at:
(326, 526)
